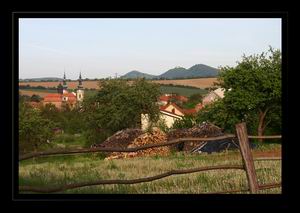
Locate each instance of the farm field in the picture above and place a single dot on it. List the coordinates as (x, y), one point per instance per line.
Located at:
(164, 89)
(40, 92)
(43, 93)
(182, 90)
(60, 170)
(198, 82)
(71, 84)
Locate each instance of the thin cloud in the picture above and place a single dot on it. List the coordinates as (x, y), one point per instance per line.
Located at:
(48, 49)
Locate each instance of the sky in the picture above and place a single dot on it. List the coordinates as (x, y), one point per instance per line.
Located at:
(104, 47)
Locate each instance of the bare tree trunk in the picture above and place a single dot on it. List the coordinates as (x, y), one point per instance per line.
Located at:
(261, 123)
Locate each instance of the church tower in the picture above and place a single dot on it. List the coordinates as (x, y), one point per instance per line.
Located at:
(65, 87)
(80, 91)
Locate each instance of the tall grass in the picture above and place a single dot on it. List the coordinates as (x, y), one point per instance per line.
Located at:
(60, 170)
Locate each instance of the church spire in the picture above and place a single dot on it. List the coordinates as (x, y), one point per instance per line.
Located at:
(80, 81)
(65, 86)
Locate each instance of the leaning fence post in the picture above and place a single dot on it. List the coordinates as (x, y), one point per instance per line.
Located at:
(242, 135)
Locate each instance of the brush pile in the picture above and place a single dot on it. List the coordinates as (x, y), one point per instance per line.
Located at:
(153, 137)
(121, 139)
(201, 130)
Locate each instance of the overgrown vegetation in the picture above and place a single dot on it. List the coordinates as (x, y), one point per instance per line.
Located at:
(60, 170)
(34, 129)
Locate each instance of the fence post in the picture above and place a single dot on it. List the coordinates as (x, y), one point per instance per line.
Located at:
(245, 150)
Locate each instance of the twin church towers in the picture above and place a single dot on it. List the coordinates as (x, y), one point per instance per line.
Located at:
(63, 88)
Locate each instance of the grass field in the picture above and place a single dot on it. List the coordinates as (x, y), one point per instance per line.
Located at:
(60, 170)
(198, 82)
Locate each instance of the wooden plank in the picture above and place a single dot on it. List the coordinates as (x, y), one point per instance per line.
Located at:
(245, 150)
(265, 137)
(135, 149)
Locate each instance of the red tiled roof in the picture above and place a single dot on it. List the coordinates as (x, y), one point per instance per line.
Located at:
(184, 111)
(170, 113)
(189, 111)
(163, 108)
(178, 97)
(53, 98)
(59, 97)
(181, 98)
(164, 98)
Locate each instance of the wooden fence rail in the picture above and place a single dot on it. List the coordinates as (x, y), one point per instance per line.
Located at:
(135, 149)
(241, 130)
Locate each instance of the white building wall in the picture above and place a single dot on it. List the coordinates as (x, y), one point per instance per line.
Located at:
(169, 120)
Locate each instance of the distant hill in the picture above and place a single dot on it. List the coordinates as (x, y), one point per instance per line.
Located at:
(177, 72)
(198, 70)
(42, 79)
(137, 74)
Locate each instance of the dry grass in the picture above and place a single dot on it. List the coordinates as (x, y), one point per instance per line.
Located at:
(30, 93)
(70, 169)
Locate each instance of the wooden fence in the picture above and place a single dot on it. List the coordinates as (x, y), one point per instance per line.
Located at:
(241, 134)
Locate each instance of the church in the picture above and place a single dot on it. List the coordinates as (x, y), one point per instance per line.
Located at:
(63, 97)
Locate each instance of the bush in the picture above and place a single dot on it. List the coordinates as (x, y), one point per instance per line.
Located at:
(185, 122)
(65, 138)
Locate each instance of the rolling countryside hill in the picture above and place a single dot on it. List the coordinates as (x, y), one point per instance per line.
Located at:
(196, 71)
(137, 74)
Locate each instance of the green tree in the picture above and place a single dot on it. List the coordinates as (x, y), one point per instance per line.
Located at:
(252, 90)
(119, 104)
(186, 122)
(35, 98)
(34, 130)
(193, 101)
(218, 114)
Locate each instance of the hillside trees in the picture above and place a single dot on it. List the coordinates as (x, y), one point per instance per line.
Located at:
(252, 92)
(119, 105)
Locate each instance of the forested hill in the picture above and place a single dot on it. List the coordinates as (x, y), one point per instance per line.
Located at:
(137, 74)
(198, 70)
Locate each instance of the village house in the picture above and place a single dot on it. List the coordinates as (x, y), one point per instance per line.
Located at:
(213, 96)
(166, 98)
(169, 114)
(63, 97)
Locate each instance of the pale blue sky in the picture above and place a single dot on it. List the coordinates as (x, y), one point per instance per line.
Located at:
(102, 47)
